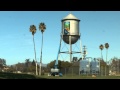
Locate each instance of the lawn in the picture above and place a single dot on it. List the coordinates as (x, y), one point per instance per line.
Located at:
(82, 77)
(6, 75)
(28, 76)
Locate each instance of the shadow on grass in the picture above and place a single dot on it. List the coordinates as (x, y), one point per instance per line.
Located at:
(5, 75)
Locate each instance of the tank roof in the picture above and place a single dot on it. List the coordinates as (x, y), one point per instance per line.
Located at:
(70, 16)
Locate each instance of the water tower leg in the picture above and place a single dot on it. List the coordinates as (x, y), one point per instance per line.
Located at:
(81, 49)
(81, 54)
(70, 51)
(56, 63)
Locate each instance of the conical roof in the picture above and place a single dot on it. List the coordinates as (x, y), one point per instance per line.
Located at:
(69, 17)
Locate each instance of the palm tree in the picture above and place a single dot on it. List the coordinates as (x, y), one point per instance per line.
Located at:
(33, 30)
(101, 48)
(106, 46)
(42, 28)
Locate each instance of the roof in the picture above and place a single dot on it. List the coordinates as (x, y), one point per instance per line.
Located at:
(70, 16)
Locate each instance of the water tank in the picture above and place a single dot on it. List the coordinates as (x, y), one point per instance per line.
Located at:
(70, 27)
(95, 67)
(84, 66)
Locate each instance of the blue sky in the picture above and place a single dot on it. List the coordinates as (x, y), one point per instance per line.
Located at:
(96, 27)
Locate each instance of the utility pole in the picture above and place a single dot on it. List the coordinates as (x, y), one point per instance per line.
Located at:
(84, 51)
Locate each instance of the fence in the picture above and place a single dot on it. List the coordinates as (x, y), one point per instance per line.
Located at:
(70, 71)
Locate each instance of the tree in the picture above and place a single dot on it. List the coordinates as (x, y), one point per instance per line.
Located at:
(101, 48)
(42, 28)
(115, 65)
(102, 67)
(20, 66)
(61, 64)
(27, 61)
(2, 63)
(106, 46)
(33, 63)
(33, 30)
(12, 68)
(51, 64)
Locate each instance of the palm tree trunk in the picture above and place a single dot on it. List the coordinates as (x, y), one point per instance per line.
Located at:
(99, 67)
(106, 54)
(102, 67)
(35, 55)
(101, 55)
(106, 64)
(41, 56)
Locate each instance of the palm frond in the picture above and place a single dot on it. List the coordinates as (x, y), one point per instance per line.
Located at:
(42, 27)
(106, 45)
(33, 29)
(101, 47)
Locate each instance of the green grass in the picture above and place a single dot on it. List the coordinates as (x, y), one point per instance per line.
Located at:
(4, 75)
(80, 77)
(84, 77)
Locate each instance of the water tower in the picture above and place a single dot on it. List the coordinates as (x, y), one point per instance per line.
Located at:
(69, 34)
